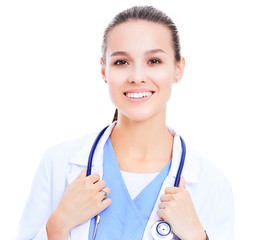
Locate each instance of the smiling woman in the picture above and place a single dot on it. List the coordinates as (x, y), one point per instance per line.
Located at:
(135, 185)
(140, 52)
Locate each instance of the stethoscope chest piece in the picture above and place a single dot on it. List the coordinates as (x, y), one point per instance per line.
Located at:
(161, 230)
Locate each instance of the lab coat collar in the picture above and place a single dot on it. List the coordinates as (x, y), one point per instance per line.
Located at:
(81, 158)
(190, 170)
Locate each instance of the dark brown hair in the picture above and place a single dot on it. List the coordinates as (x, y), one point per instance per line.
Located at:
(147, 13)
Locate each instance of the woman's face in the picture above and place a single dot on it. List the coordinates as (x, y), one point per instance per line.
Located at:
(140, 68)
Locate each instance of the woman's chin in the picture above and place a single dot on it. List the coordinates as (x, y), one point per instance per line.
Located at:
(138, 116)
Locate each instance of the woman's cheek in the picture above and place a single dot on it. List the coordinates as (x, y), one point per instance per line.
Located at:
(115, 81)
(163, 81)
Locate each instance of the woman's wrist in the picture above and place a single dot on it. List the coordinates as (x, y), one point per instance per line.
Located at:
(198, 235)
(202, 235)
(55, 227)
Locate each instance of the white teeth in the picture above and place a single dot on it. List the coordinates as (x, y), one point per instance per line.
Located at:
(139, 95)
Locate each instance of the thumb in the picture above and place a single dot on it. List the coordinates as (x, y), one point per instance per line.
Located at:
(181, 184)
(82, 174)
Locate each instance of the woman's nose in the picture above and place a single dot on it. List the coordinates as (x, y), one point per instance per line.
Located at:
(138, 75)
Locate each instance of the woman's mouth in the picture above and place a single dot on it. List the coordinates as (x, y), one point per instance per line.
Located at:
(137, 95)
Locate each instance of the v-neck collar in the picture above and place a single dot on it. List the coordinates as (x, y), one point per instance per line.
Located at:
(162, 174)
(149, 192)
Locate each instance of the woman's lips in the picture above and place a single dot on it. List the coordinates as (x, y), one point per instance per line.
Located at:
(138, 96)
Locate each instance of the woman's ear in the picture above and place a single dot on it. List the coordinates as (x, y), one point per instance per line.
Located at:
(180, 65)
(103, 70)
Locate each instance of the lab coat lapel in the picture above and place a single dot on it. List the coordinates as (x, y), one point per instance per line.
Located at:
(79, 162)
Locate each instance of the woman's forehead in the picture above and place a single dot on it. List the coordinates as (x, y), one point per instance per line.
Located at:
(139, 35)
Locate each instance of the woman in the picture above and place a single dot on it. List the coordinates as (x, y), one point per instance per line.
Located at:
(132, 185)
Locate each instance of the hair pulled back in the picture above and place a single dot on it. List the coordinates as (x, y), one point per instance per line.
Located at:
(147, 13)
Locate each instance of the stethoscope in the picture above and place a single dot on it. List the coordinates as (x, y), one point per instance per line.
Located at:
(160, 230)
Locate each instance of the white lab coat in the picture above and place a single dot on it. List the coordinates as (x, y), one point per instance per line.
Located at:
(211, 192)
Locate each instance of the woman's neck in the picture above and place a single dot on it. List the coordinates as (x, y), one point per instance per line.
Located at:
(142, 144)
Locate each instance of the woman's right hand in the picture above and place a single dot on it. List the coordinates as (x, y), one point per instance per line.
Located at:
(82, 200)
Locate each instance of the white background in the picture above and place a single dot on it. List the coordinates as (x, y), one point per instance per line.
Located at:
(51, 90)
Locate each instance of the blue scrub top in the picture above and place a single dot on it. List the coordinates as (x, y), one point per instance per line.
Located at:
(125, 218)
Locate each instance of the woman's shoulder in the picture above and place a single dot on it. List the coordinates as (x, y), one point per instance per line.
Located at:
(205, 170)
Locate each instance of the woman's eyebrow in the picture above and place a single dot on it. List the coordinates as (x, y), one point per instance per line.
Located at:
(154, 51)
(148, 52)
(119, 53)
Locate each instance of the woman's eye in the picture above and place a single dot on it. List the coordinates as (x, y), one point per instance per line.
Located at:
(120, 62)
(154, 61)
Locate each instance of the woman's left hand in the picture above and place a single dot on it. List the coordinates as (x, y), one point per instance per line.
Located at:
(177, 209)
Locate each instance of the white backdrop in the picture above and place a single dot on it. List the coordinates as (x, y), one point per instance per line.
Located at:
(51, 90)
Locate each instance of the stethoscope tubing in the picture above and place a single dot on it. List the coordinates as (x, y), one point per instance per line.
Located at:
(89, 171)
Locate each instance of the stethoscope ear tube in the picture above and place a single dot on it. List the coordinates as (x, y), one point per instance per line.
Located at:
(180, 168)
(91, 155)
